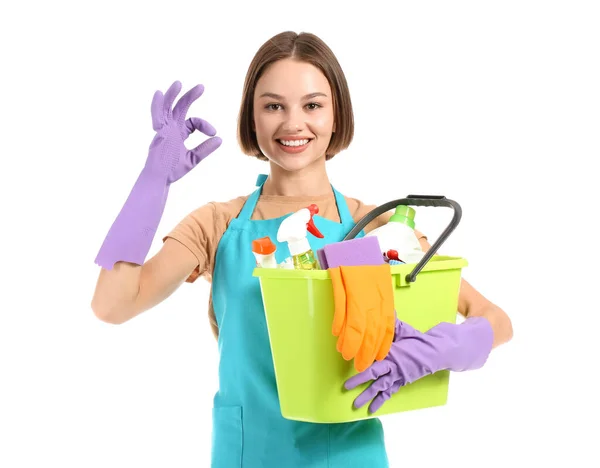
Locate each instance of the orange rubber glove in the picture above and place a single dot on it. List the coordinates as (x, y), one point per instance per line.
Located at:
(364, 317)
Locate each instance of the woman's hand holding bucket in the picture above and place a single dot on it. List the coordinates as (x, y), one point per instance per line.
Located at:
(414, 355)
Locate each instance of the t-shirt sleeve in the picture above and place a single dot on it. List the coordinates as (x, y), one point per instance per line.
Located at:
(199, 232)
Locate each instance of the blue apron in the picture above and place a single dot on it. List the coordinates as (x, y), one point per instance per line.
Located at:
(248, 429)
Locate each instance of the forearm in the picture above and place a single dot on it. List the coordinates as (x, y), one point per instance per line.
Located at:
(116, 292)
(500, 322)
(128, 289)
(473, 304)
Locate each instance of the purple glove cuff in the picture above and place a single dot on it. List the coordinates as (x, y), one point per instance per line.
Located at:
(131, 234)
(463, 347)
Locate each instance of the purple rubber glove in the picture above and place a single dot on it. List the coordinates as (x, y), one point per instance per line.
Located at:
(130, 237)
(413, 355)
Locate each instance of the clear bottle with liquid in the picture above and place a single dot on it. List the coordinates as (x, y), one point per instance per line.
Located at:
(305, 261)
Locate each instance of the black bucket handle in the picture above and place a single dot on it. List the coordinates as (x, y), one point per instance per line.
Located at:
(414, 200)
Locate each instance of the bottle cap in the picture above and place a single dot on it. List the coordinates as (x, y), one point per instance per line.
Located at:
(404, 214)
(263, 246)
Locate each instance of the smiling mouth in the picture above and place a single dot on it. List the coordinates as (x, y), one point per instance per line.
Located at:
(294, 143)
(294, 146)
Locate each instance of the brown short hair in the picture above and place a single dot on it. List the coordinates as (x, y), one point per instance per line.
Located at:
(308, 48)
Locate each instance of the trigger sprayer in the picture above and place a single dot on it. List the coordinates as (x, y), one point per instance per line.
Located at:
(293, 231)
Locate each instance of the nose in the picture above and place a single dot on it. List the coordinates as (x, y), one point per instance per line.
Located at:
(294, 122)
(289, 128)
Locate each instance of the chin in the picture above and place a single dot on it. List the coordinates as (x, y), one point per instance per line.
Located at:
(294, 163)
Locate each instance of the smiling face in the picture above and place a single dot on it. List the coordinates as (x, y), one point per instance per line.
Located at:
(293, 114)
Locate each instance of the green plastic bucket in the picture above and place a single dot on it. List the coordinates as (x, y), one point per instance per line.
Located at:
(299, 309)
(310, 372)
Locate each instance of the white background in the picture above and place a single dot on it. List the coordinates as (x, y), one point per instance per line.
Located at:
(493, 104)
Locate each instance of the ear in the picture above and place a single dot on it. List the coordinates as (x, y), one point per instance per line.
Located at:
(253, 126)
(333, 130)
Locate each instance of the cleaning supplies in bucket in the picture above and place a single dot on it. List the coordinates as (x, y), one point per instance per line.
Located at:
(300, 308)
(397, 237)
(293, 231)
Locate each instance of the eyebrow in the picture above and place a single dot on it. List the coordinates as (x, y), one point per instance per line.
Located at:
(307, 96)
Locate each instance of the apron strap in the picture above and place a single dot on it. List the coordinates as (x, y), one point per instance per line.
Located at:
(250, 205)
(261, 179)
(345, 216)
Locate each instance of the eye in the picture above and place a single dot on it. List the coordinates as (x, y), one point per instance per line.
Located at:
(313, 105)
(273, 107)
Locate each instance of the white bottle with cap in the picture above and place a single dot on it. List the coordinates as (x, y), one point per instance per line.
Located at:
(399, 234)
(264, 252)
(293, 231)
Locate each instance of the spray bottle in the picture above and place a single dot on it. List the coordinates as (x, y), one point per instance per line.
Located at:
(293, 231)
(398, 236)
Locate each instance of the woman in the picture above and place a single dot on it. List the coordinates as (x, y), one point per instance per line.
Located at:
(296, 113)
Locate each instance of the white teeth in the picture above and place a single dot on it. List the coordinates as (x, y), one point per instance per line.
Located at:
(293, 142)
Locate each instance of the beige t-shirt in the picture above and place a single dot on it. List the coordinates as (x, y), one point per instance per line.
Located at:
(202, 229)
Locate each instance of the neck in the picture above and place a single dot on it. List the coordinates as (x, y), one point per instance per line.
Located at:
(310, 181)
